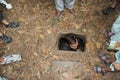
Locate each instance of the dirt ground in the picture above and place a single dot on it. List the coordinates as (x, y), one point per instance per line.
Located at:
(36, 38)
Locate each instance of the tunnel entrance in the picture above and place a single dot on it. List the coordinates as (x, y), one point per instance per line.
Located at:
(78, 40)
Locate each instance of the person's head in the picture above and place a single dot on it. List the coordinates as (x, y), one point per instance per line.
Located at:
(71, 40)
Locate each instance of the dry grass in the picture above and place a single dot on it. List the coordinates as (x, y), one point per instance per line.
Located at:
(35, 37)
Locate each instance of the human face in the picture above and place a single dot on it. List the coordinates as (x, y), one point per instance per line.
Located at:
(74, 45)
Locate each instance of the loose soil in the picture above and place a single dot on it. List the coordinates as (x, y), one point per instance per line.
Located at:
(36, 39)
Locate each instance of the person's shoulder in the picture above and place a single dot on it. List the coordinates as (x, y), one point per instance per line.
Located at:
(62, 44)
(62, 40)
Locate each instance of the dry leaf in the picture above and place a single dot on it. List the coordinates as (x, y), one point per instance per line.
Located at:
(42, 36)
(48, 31)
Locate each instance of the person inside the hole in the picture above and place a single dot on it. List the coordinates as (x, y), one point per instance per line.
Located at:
(72, 42)
(111, 8)
(113, 36)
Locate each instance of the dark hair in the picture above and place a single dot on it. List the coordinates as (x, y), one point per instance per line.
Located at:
(70, 38)
(82, 42)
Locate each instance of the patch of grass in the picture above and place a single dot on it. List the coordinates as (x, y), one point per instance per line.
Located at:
(55, 20)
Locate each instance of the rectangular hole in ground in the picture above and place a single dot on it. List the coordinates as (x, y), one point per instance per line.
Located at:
(62, 34)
